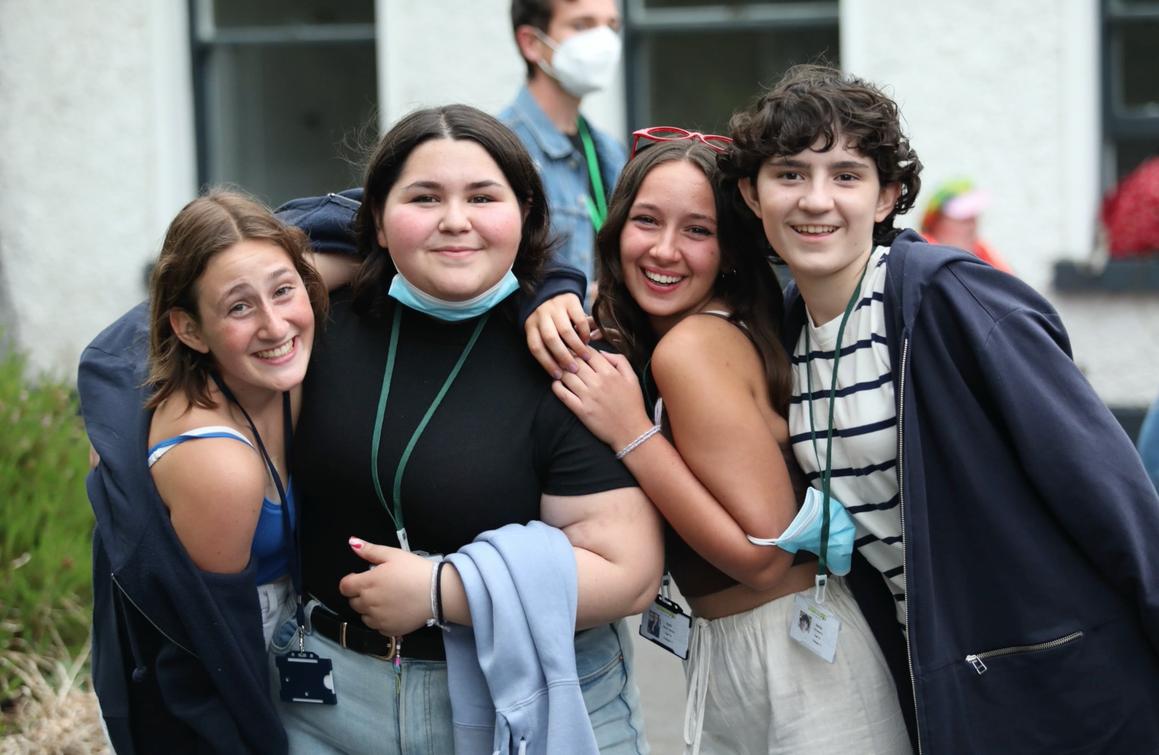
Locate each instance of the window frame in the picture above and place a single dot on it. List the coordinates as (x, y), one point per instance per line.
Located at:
(205, 38)
(642, 24)
(1117, 124)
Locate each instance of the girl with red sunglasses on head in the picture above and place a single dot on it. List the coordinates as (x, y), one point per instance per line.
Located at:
(693, 306)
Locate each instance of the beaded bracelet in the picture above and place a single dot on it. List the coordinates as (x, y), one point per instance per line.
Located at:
(638, 441)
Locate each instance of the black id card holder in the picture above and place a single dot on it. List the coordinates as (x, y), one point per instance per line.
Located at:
(305, 677)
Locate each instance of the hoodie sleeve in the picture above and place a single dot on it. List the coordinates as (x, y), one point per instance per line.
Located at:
(557, 280)
(1076, 454)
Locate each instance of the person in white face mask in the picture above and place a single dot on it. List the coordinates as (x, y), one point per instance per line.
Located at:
(571, 49)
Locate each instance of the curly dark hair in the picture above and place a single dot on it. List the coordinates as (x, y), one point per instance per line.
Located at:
(456, 122)
(817, 103)
(746, 283)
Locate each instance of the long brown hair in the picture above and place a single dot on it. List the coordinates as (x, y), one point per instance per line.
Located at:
(204, 228)
(746, 281)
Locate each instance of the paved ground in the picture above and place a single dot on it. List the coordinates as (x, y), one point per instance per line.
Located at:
(661, 678)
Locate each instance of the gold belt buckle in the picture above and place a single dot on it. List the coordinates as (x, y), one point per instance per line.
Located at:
(390, 653)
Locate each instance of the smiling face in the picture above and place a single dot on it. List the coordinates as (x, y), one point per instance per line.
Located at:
(818, 210)
(253, 316)
(451, 222)
(669, 253)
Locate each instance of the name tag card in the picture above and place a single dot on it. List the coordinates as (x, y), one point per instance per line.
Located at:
(815, 626)
(666, 624)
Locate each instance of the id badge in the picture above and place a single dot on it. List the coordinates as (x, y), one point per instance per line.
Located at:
(815, 627)
(305, 677)
(666, 624)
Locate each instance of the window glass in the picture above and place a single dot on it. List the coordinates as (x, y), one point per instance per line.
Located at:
(286, 93)
(727, 3)
(1130, 85)
(284, 120)
(230, 13)
(1139, 63)
(692, 63)
(697, 80)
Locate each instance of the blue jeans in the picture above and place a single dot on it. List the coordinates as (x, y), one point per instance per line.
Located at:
(406, 710)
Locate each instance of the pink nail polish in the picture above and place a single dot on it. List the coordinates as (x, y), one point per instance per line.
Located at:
(355, 543)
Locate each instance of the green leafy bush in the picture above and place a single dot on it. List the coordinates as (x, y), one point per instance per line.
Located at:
(45, 519)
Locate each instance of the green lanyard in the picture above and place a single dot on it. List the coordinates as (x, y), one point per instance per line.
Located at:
(827, 470)
(396, 515)
(598, 210)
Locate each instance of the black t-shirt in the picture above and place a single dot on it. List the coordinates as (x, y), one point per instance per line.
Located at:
(498, 441)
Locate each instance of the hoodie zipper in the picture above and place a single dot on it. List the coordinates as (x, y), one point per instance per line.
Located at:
(146, 616)
(901, 511)
(976, 659)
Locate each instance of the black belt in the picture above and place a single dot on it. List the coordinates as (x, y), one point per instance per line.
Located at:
(424, 644)
(352, 636)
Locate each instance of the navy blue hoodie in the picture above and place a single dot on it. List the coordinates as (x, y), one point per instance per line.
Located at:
(179, 662)
(1030, 526)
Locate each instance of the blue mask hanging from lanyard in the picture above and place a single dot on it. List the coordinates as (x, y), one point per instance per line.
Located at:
(822, 524)
(408, 294)
(804, 532)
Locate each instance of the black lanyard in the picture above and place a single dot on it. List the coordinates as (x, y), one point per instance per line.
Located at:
(827, 470)
(289, 532)
(395, 512)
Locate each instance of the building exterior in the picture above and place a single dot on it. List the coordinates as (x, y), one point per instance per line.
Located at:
(112, 115)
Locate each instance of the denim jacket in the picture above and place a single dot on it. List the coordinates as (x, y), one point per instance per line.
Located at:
(565, 178)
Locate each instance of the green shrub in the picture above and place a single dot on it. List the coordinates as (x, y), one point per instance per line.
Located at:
(45, 519)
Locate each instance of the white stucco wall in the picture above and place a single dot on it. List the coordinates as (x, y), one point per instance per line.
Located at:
(96, 142)
(434, 53)
(95, 156)
(1007, 94)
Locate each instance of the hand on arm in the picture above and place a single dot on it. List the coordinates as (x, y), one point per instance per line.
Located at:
(558, 332)
(605, 395)
(725, 478)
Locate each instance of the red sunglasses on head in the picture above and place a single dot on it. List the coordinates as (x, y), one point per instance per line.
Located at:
(715, 142)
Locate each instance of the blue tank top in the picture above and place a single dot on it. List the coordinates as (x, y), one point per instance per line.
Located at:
(270, 550)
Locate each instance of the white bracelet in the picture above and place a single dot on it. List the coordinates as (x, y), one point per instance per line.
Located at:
(638, 441)
(434, 619)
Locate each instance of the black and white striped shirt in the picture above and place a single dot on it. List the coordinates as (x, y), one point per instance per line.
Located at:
(864, 475)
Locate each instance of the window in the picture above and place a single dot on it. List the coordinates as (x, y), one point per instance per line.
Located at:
(691, 63)
(283, 91)
(1130, 85)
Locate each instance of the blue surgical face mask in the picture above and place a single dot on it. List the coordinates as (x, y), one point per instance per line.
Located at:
(407, 293)
(804, 532)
